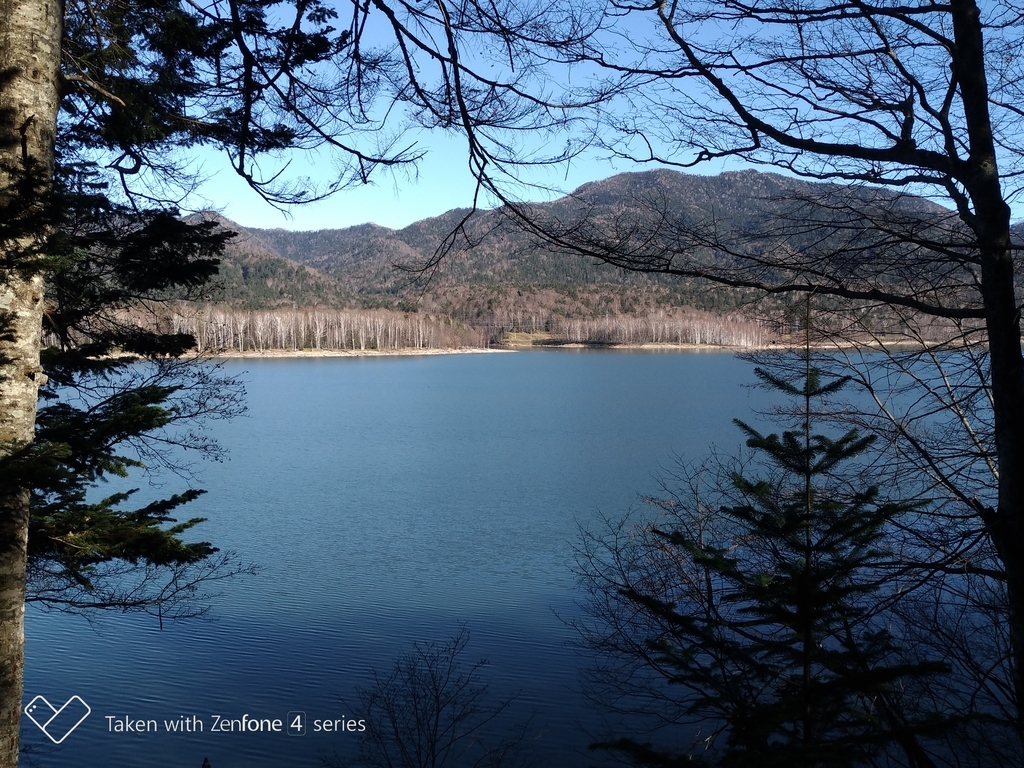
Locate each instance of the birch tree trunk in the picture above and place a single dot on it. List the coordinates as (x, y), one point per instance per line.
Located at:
(30, 44)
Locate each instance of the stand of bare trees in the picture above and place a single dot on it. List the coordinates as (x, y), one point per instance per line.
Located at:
(664, 328)
(383, 330)
(328, 329)
(378, 330)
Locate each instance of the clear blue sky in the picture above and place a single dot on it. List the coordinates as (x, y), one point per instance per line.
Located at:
(441, 181)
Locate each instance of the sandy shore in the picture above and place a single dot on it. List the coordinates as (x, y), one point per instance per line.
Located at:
(293, 353)
(269, 353)
(285, 353)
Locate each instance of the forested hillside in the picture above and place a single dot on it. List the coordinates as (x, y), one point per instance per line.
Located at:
(253, 276)
(497, 279)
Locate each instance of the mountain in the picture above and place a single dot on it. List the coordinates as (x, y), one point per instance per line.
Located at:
(497, 269)
(253, 275)
(363, 257)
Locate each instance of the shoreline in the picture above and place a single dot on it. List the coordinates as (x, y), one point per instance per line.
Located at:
(413, 352)
(234, 354)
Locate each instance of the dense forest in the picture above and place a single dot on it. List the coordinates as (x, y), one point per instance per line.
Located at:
(496, 285)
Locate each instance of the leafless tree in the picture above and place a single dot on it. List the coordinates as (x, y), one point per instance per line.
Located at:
(434, 711)
(910, 115)
(254, 80)
(895, 97)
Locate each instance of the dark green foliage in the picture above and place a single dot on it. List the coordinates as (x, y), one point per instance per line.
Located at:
(78, 535)
(120, 390)
(171, 76)
(775, 630)
(141, 81)
(257, 281)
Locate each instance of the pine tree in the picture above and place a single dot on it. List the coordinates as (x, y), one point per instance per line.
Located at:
(117, 390)
(778, 635)
(131, 86)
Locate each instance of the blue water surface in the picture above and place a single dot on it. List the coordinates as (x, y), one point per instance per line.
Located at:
(385, 501)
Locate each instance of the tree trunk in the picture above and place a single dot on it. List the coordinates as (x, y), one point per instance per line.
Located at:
(991, 224)
(1006, 526)
(30, 45)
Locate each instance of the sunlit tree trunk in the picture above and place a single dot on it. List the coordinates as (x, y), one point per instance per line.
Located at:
(30, 40)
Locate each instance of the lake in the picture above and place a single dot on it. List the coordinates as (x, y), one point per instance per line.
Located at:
(386, 501)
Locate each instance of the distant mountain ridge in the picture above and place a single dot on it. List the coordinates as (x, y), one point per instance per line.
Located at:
(355, 266)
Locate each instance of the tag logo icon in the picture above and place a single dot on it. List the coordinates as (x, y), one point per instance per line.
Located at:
(57, 724)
